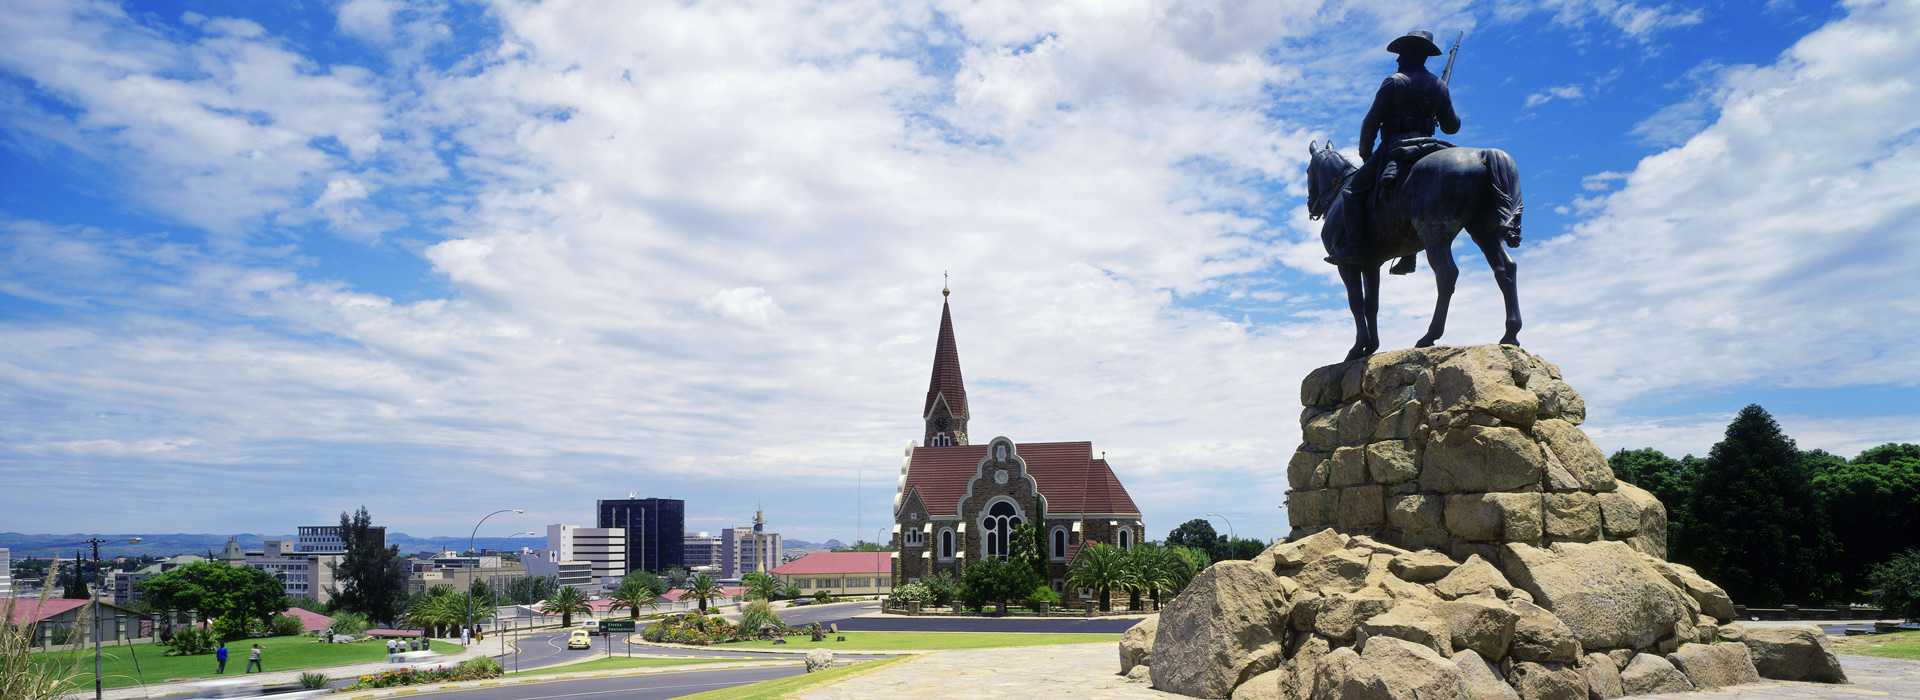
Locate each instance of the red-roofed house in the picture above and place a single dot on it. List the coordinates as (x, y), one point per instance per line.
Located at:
(840, 573)
(959, 502)
(55, 618)
(309, 620)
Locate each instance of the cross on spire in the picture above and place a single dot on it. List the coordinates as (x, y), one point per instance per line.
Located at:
(945, 287)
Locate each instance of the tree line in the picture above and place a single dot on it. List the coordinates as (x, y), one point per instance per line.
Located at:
(1775, 524)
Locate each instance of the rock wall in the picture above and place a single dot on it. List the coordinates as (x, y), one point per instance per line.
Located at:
(1459, 450)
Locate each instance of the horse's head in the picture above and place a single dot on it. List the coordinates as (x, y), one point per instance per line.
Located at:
(1326, 172)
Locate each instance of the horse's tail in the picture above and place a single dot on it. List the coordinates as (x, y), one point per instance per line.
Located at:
(1503, 179)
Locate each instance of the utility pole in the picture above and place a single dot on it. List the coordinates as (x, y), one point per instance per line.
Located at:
(99, 580)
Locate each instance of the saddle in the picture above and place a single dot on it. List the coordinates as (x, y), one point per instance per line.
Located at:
(1402, 156)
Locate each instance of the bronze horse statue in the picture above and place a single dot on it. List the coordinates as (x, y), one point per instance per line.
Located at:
(1477, 189)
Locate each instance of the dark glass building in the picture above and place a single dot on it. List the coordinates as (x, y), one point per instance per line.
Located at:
(656, 530)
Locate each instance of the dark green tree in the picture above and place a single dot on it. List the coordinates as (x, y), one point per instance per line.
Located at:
(218, 590)
(528, 590)
(372, 578)
(1029, 550)
(1896, 585)
(1756, 525)
(1196, 533)
(76, 588)
(1237, 548)
(1873, 503)
(997, 581)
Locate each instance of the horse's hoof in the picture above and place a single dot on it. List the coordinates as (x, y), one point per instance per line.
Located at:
(1357, 352)
(1510, 339)
(1424, 343)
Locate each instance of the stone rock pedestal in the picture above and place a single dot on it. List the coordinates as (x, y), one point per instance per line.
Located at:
(1457, 535)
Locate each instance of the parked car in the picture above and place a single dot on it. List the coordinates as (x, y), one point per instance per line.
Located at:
(578, 639)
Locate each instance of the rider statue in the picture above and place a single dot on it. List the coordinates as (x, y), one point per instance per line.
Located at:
(1410, 102)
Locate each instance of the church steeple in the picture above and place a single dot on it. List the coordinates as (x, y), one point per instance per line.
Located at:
(946, 409)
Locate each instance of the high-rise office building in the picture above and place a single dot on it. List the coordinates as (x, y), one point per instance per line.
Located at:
(655, 527)
(325, 539)
(744, 550)
(702, 549)
(603, 547)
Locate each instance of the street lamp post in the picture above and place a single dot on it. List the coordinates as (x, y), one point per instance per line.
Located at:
(99, 581)
(1229, 523)
(470, 549)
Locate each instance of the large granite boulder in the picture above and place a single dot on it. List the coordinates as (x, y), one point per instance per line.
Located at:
(1226, 627)
(1393, 669)
(1604, 591)
(1482, 624)
(1136, 646)
(1539, 636)
(1709, 596)
(1483, 681)
(1603, 676)
(1793, 653)
(1715, 665)
(1548, 681)
(1648, 673)
(1412, 623)
(1472, 577)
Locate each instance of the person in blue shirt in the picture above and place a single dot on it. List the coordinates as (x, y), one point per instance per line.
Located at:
(221, 656)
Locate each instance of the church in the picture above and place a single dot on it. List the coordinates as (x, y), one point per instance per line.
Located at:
(959, 502)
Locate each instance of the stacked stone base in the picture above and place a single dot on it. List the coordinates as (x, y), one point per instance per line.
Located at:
(1335, 616)
(1457, 536)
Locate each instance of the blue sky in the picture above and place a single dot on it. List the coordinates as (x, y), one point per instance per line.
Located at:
(263, 262)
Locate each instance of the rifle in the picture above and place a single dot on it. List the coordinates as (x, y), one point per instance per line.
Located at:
(1453, 53)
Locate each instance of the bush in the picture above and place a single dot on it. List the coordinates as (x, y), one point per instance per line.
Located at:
(823, 597)
(909, 593)
(757, 620)
(469, 670)
(190, 641)
(313, 681)
(285, 626)
(942, 588)
(233, 627)
(1042, 597)
(691, 628)
(350, 623)
(1896, 584)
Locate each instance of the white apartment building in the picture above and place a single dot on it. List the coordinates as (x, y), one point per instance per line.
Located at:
(301, 575)
(6, 573)
(325, 539)
(603, 548)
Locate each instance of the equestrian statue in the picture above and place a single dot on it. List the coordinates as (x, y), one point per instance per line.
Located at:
(1414, 193)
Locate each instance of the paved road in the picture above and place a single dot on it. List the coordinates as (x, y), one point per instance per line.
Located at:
(987, 624)
(648, 687)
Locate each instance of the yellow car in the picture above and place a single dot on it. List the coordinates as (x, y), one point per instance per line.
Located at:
(578, 639)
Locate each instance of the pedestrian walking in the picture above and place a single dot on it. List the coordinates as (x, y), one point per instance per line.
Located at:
(253, 660)
(220, 655)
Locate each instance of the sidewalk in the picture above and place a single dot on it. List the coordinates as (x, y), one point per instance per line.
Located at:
(273, 678)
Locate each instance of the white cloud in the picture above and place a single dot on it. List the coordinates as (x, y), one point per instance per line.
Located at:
(1570, 93)
(1634, 20)
(749, 305)
(371, 20)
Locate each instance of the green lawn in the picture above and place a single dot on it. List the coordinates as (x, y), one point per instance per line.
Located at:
(931, 641)
(784, 687)
(618, 663)
(118, 662)
(1898, 645)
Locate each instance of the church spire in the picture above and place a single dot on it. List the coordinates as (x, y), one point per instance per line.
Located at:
(946, 408)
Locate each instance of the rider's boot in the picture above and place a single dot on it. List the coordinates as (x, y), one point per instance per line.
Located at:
(1403, 266)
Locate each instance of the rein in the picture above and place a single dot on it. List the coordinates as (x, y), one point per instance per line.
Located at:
(1327, 198)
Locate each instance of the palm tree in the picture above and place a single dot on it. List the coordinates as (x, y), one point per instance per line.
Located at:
(567, 602)
(633, 594)
(703, 589)
(435, 610)
(1101, 567)
(760, 585)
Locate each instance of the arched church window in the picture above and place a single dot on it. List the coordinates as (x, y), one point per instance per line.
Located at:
(1001, 519)
(946, 544)
(1059, 541)
(1126, 538)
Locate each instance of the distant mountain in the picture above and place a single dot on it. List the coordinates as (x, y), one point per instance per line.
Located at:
(46, 545)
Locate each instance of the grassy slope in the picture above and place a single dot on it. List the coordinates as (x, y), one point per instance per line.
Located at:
(620, 662)
(1898, 645)
(783, 687)
(931, 641)
(117, 664)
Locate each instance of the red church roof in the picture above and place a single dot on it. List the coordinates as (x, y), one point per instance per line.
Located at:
(946, 369)
(839, 563)
(1070, 478)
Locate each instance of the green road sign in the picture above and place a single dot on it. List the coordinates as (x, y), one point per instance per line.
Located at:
(617, 626)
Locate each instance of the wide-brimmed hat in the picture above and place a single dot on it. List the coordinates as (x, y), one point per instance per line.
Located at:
(1415, 42)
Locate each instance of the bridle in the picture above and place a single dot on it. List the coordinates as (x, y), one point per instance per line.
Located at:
(1318, 200)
